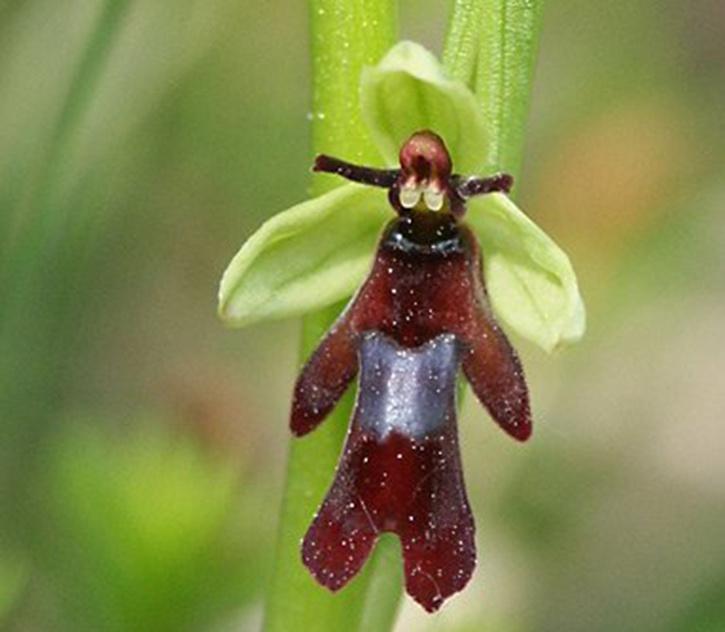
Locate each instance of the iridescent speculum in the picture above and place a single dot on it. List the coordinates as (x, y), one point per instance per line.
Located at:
(420, 317)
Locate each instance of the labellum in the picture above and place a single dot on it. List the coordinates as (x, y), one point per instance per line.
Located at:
(421, 314)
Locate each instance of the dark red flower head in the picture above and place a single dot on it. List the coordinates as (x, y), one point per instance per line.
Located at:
(422, 314)
(425, 166)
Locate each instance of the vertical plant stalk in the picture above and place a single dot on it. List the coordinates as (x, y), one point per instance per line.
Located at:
(461, 47)
(45, 218)
(346, 35)
(491, 46)
(507, 46)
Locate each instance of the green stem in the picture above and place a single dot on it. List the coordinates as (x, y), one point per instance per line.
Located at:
(461, 48)
(346, 36)
(507, 46)
(491, 46)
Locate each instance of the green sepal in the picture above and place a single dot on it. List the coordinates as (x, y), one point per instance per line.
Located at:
(304, 258)
(408, 91)
(530, 280)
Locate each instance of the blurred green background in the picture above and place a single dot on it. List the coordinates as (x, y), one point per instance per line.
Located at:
(142, 445)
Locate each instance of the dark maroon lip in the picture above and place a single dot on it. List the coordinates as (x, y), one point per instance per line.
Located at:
(421, 316)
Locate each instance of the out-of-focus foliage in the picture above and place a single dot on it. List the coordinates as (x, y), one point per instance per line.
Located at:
(135, 527)
(142, 445)
(13, 576)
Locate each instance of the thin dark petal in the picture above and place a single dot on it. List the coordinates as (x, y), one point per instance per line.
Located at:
(491, 365)
(470, 186)
(400, 471)
(494, 371)
(357, 173)
(324, 378)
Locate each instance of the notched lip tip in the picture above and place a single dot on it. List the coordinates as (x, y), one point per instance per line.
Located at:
(435, 606)
(321, 579)
(333, 589)
(431, 608)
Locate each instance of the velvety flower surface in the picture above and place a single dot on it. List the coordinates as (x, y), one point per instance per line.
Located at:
(458, 256)
(418, 318)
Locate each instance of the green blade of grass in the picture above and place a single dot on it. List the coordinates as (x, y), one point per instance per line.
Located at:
(507, 45)
(38, 266)
(491, 45)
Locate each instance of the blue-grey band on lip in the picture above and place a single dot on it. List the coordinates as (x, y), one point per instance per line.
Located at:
(411, 391)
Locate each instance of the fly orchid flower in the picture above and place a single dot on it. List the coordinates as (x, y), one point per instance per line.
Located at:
(458, 253)
(421, 314)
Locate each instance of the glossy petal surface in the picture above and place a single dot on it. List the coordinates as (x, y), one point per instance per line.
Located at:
(419, 315)
(414, 298)
(400, 471)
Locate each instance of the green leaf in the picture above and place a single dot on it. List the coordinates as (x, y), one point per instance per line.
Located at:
(305, 258)
(409, 91)
(530, 280)
(137, 528)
